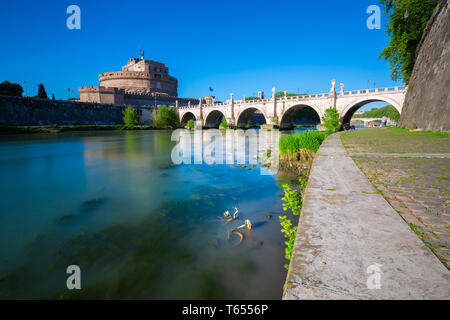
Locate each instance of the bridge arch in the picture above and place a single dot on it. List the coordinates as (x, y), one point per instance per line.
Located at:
(287, 118)
(186, 117)
(245, 115)
(352, 107)
(213, 118)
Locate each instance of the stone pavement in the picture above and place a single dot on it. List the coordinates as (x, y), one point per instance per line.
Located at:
(402, 155)
(419, 190)
(349, 237)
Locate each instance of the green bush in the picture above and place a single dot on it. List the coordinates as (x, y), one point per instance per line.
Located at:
(190, 124)
(331, 120)
(293, 201)
(166, 118)
(292, 144)
(223, 123)
(130, 117)
(388, 111)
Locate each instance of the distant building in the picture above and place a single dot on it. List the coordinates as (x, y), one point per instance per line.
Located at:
(141, 82)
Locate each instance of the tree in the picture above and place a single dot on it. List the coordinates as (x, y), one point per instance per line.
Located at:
(404, 34)
(388, 111)
(223, 123)
(41, 92)
(280, 94)
(166, 118)
(10, 89)
(53, 96)
(331, 120)
(190, 124)
(130, 117)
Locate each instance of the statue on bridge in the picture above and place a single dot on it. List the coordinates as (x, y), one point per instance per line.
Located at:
(333, 83)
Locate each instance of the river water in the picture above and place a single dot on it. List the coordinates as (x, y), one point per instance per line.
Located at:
(137, 225)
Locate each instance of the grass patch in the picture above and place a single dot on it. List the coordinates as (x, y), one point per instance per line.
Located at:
(415, 228)
(396, 140)
(291, 144)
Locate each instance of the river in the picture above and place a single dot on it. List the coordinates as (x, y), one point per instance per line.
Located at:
(137, 225)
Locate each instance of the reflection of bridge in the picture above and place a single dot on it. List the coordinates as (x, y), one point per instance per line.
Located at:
(280, 112)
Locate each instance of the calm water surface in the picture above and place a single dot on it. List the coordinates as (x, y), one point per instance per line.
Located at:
(137, 225)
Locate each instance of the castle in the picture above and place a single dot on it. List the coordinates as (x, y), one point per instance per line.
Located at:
(140, 83)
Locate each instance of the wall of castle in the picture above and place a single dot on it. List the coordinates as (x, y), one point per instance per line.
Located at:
(427, 100)
(30, 111)
(101, 95)
(134, 84)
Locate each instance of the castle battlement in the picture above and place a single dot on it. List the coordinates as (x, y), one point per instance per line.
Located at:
(140, 82)
(100, 89)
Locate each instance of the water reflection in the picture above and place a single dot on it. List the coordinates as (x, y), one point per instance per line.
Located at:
(137, 225)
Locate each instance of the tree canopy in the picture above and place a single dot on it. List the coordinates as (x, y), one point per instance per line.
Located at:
(388, 111)
(10, 89)
(41, 92)
(331, 121)
(223, 123)
(404, 33)
(280, 94)
(166, 118)
(130, 117)
(190, 124)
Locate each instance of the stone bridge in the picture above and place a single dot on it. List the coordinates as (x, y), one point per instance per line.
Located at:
(280, 112)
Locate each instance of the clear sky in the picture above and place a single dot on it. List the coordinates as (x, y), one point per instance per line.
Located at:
(232, 46)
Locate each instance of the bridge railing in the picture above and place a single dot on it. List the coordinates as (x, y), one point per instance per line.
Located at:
(303, 97)
(373, 90)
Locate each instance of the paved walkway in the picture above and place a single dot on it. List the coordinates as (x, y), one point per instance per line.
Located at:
(418, 188)
(408, 155)
(345, 229)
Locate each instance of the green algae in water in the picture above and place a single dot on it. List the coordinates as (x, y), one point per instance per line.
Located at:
(126, 250)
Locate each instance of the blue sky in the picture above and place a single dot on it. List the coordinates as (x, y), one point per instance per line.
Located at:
(232, 46)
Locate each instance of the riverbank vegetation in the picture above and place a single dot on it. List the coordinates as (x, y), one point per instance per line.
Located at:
(130, 117)
(166, 118)
(223, 123)
(292, 146)
(331, 121)
(297, 152)
(68, 128)
(190, 124)
(293, 201)
(388, 111)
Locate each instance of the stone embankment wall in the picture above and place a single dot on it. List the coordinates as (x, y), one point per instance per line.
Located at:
(427, 102)
(31, 111)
